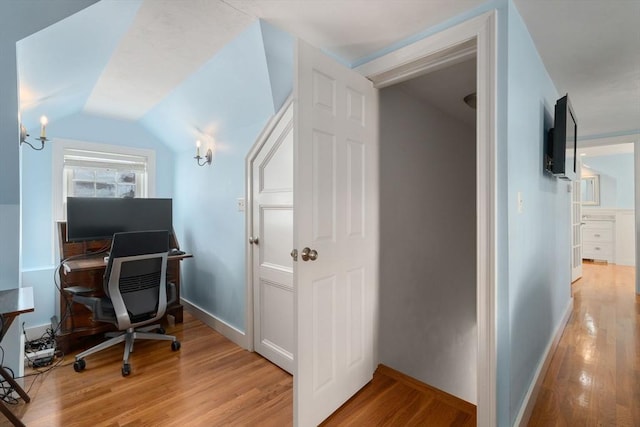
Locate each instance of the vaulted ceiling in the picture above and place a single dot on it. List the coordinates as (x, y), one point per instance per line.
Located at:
(122, 59)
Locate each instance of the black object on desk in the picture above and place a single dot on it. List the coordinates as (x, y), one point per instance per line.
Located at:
(12, 303)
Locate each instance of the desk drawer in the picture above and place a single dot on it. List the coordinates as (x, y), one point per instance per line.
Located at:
(597, 250)
(597, 235)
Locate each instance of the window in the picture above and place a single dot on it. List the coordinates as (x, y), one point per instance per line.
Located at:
(84, 169)
(100, 174)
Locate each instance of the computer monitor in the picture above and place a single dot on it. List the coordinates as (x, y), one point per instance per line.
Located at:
(95, 218)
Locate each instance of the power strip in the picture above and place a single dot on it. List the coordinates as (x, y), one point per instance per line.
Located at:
(34, 355)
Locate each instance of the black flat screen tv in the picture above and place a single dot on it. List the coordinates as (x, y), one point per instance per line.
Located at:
(562, 143)
(95, 218)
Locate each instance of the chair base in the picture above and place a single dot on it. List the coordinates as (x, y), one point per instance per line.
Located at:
(128, 337)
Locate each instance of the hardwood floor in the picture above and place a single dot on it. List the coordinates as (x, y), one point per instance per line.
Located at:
(593, 379)
(393, 399)
(594, 375)
(209, 382)
(213, 382)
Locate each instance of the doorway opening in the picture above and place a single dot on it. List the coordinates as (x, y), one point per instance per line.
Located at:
(609, 202)
(428, 250)
(474, 38)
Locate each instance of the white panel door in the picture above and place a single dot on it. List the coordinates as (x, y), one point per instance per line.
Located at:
(335, 215)
(272, 240)
(576, 227)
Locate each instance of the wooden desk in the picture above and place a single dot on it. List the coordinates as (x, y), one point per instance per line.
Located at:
(12, 303)
(96, 263)
(76, 323)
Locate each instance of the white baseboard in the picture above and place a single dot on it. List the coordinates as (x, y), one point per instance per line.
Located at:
(233, 334)
(532, 394)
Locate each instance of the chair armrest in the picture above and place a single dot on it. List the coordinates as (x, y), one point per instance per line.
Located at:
(75, 290)
(92, 303)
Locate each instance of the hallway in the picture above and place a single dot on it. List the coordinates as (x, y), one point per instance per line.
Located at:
(594, 376)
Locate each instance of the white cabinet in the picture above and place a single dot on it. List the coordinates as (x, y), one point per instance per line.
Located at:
(598, 237)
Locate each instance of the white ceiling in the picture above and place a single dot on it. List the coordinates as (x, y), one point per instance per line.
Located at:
(167, 42)
(590, 48)
(354, 29)
(446, 88)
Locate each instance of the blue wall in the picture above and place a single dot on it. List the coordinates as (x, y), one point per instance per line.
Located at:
(278, 48)
(75, 51)
(533, 256)
(532, 266)
(231, 116)
(18, 19)
(39, 236)
(539, 236)
(226, 103)
(617, 189)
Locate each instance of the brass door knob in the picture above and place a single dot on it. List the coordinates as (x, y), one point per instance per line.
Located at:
(309, 254)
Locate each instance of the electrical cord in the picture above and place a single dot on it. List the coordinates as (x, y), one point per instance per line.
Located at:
(38, 372)
(56, 277)
(46, 340)
(6, 391)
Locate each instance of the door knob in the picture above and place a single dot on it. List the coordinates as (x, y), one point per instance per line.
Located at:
(309, 254)
(253, 240)
(294, 254)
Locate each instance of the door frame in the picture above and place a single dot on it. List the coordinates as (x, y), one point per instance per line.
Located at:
(248, 169)
(438, 51)
(431, 53)
(636, 172)
(576, 205)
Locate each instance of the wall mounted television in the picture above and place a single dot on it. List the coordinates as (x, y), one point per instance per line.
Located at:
(562, 143)
(95, 218)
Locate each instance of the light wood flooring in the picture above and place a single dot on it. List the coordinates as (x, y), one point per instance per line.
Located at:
(393, 399)
(593, 379)
(212, 382)
(594, 376)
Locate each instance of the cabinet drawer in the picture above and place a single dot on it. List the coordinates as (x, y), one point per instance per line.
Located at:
(595, 250)
(597, 235)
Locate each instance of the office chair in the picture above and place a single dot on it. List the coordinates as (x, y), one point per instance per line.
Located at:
(136, 293)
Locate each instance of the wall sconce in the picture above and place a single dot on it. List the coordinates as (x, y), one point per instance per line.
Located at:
(43, 134)
(207, 157)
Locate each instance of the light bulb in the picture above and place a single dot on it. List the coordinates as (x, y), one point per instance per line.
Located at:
(43, 126)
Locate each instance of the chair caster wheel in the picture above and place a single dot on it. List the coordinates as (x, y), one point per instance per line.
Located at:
(126, 369)
(161, 330)
(175, 345)
(79, 365)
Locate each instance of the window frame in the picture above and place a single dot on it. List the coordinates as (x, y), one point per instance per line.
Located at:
(60, 146)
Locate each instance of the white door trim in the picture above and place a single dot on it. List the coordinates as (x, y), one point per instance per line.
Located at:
(381, 70)
(248, 170)
(576, 227)
(636, 168)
